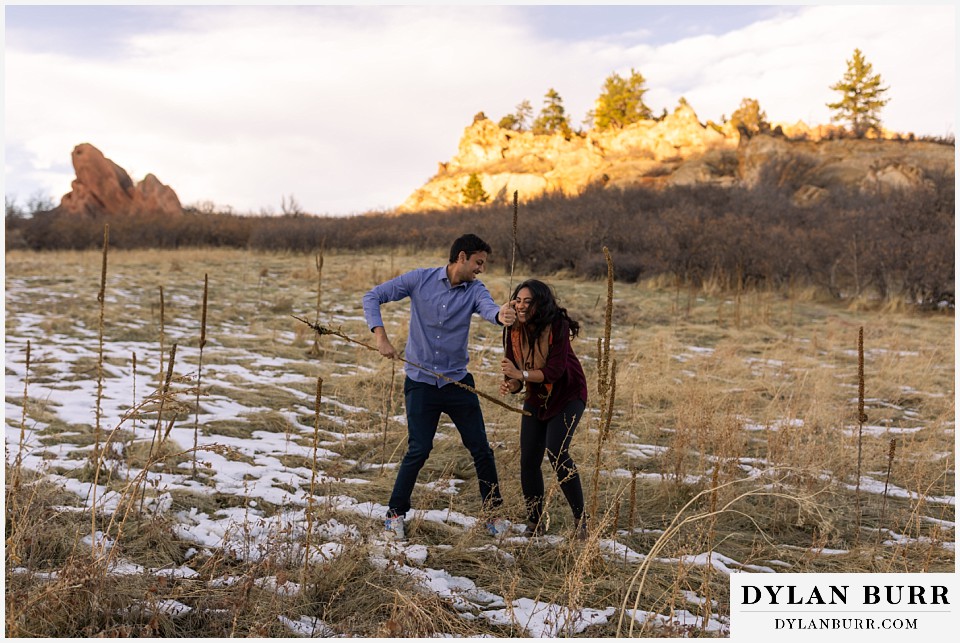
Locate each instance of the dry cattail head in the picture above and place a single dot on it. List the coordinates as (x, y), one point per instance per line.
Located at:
(319, 393)
(103, 269)
(203, 315)
(608, 313)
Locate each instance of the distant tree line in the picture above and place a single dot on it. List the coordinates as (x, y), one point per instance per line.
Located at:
(898, 243)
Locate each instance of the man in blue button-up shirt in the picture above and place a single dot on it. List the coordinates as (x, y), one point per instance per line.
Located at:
(442, 303)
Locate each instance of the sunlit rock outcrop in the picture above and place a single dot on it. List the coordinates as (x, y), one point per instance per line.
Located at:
(675, 150)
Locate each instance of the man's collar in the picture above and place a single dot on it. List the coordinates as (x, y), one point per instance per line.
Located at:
(445, 276)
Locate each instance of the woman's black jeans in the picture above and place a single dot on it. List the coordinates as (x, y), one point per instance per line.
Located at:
(553, 437)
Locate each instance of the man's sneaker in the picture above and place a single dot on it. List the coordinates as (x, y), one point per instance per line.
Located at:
(535, 531)
(393, 528)
(498, 527)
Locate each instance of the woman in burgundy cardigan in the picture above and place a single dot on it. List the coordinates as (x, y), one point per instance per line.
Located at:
(540, 357)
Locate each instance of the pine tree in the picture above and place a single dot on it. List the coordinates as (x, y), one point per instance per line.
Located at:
(861, 100)
(553, 118)
(473, 192)
(621, 102)
(524, 115)
(509, 122)
(519, 121)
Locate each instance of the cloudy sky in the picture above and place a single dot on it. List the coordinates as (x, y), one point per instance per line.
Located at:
(349, 109)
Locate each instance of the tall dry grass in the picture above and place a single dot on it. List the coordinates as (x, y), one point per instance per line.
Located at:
(728, 434)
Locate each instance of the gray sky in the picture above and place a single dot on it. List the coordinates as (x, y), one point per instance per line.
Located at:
(350, 108)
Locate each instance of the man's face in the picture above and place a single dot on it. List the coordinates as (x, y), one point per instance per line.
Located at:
(469, 268)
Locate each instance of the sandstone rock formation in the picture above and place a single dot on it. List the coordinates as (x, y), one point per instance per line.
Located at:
(102, 186)
(676, 150)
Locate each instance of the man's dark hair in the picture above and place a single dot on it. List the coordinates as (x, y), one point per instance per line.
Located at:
(470, 244)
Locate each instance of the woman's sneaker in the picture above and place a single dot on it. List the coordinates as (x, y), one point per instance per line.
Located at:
(393, 528)
(538, 528)
(535, 531)
(498, 527)
(581, 531)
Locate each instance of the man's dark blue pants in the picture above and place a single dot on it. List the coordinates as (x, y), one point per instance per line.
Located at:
(425, 403)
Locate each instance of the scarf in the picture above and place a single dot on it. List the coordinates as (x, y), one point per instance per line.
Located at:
(534, 357)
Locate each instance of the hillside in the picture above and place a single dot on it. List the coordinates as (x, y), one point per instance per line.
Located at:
(676, 150)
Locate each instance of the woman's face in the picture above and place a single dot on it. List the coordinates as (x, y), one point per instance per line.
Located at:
(524, 305)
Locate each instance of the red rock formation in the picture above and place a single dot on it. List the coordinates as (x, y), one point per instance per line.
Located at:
(102, 186)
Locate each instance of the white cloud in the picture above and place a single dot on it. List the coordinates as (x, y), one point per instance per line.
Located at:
(351, 108)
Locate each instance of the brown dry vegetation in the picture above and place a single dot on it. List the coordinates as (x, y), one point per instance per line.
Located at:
(895, 244)
(734, 433)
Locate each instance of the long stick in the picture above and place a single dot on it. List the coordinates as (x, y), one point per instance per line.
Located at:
(513, 258)
(322, 330)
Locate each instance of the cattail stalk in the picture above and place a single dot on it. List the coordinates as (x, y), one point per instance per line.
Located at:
(891, 453)
(513, 257)
(601, 384)
(604, 434)
(155, 440)
(203, 342)
(161, 333)
(633, 500)
(95, 455)
(11, 496)
(506, 330)
(319, 262)
(606, 384)
(607, 325)
(133, 404)
(313, 477)
(861, 418)
(23, 423)
(711, 535)
(101, 298)
(166, 389)
(315, 349)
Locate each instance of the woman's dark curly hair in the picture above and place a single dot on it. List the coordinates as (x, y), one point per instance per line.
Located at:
(546, 309)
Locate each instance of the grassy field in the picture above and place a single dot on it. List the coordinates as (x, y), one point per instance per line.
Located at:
(175, 469)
